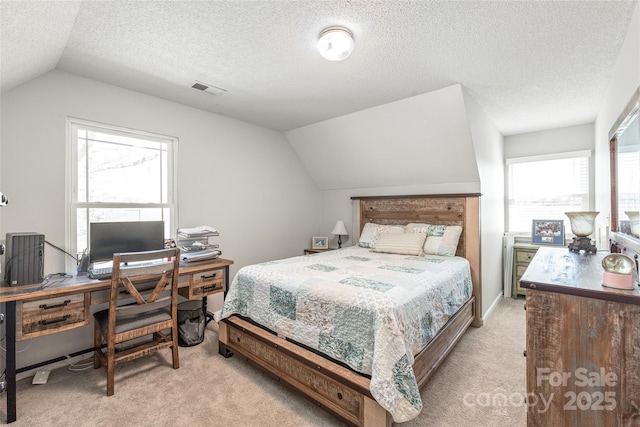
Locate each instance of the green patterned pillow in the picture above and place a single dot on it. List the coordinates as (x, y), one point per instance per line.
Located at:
(371, 231)
(414, 227)
(402, 244)
(442, 240)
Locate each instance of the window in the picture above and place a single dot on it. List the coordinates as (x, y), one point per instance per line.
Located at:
(545, 187)
(118, 174)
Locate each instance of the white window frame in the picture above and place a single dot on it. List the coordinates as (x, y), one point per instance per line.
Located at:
(71, 168)
(556, 156)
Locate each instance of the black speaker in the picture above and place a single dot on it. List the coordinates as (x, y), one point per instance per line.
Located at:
(24, 258)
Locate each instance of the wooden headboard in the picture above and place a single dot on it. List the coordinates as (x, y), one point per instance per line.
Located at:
(437, 209)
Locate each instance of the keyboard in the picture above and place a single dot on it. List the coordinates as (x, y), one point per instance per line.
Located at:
(103, 273)
(100, 273)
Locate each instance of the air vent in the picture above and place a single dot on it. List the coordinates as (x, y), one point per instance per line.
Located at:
(204, 87)
(200, 86)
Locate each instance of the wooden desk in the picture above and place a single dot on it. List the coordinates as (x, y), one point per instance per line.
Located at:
(583, 365)
(36, 310)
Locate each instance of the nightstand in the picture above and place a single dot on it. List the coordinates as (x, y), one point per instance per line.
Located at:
(316, 251)
(523, 253)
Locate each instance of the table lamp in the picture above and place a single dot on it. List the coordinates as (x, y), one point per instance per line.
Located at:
(582, 224)
(340, 231)
(634, 222)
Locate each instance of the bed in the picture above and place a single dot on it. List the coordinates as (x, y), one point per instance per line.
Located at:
(302, 318)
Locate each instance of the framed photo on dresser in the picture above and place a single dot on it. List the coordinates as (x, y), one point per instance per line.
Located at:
(547, 232)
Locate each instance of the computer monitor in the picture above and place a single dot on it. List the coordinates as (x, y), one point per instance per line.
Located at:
(107, 238)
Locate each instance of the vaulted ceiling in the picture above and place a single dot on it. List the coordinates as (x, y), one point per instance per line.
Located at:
(530, 65)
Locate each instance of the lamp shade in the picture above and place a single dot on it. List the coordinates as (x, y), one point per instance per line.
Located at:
(634, 217)
(339, 229)
(335, 43)
(582, 222)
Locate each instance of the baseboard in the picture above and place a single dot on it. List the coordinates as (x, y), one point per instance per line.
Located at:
(52, 366)
(492, 307)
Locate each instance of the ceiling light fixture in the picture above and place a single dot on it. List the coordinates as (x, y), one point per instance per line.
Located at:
(336, 43)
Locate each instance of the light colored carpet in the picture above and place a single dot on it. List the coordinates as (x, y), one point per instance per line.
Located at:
(211, 390)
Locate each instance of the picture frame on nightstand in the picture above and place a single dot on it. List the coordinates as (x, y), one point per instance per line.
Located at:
(547, 231)
(319, 243)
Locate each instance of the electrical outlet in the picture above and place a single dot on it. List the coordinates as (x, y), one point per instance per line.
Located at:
(41, 377)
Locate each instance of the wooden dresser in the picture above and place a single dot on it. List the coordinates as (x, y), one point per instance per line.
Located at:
(583, 343)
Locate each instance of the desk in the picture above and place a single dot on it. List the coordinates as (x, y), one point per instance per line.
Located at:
(41, 310)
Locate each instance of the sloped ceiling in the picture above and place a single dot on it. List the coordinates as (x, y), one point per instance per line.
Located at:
(33, 36)
(530, 65)
(423, 139)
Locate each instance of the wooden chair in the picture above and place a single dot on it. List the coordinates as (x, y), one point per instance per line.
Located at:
(149, 315)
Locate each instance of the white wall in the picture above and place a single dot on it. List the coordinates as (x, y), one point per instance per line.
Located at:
(418, 145)
(407, 142)
(549, 141)
(242, 179)
(488, 143)
(624, 81)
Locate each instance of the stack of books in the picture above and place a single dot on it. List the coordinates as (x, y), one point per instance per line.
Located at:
(194, 243)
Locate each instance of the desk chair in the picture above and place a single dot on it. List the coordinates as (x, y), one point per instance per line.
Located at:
(149, 314)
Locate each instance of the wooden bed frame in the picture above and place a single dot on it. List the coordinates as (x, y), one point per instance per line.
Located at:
(340, 390)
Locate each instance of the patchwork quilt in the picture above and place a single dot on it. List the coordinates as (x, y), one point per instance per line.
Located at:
(371, 311)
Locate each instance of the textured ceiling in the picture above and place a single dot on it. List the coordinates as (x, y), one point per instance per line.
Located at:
(530, 65)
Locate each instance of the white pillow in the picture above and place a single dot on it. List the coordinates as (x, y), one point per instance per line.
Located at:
(402, 244)
(371, 231)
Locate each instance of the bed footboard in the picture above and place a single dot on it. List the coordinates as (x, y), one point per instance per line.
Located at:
(339, 390)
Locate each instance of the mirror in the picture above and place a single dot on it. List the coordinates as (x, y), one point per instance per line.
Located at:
(625, 170)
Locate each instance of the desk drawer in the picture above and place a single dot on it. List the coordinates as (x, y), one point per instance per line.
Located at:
(204, 283)
(50, 315)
